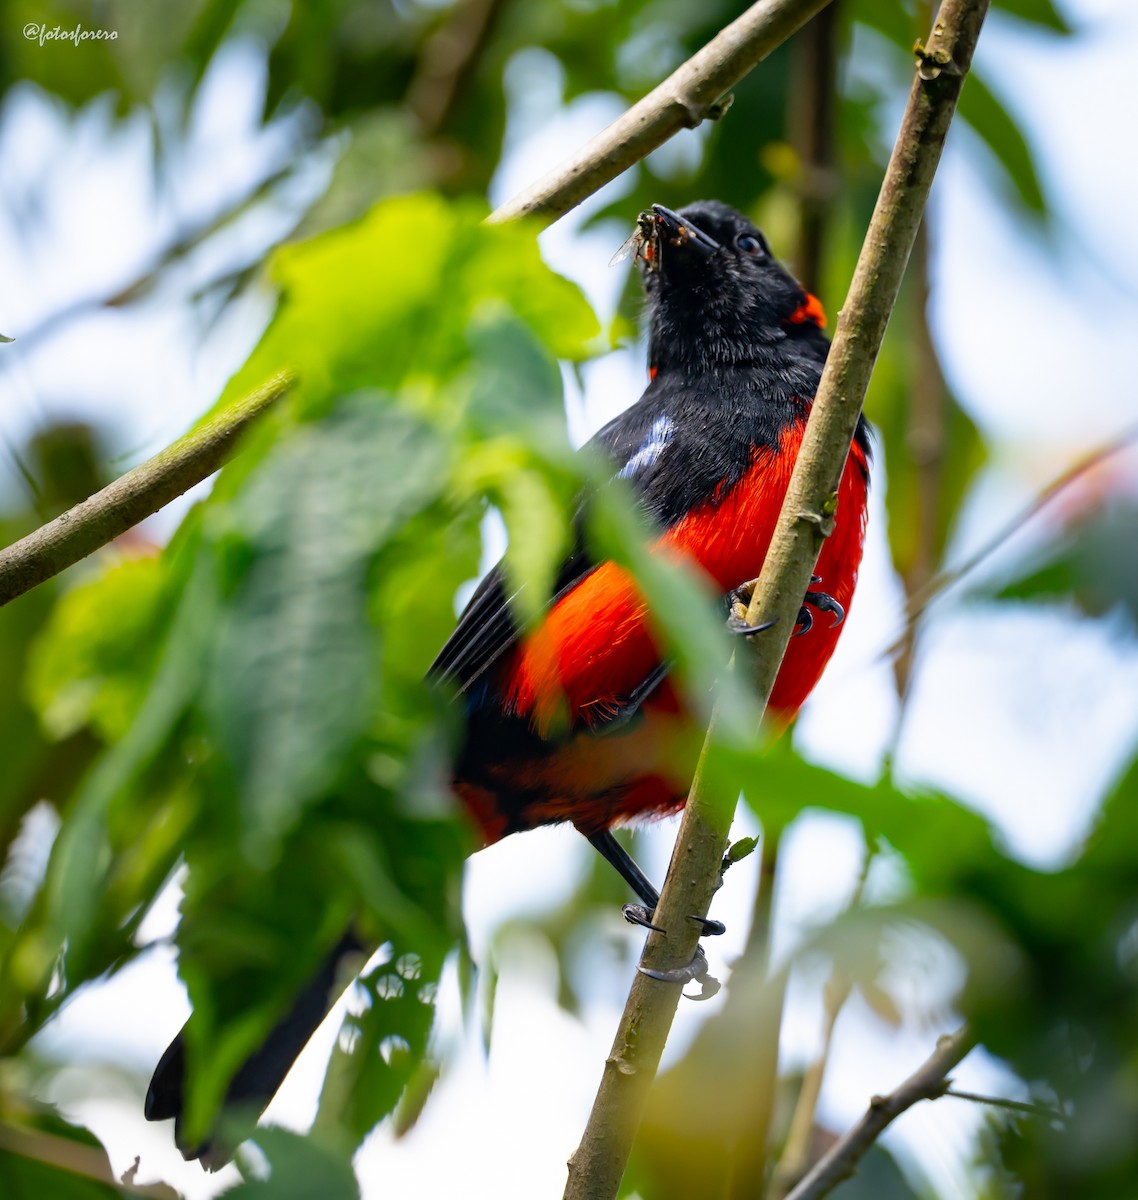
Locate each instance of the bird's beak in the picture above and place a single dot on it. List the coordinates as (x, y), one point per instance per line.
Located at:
(671, 228)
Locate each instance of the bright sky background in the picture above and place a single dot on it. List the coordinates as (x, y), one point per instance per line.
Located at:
(1034, 338)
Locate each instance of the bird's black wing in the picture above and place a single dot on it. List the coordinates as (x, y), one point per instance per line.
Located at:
(636, 442)
(486, 629)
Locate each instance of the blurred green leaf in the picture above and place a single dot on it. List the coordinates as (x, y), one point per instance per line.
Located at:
(90, 665)
(46, 1156)
(295, 657)
(114, 801)
(704, 1113)
(935, 440)
(390, 297)
(524, 465)
(996, 127)
(299, 1168)
(1088, 566)
(381, 1049)
(1037, 12)
(687, 613)
(337, 543)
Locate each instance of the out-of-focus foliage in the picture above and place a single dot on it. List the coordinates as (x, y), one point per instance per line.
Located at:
(250, 701)
(1047, 982)
(261, 684)
(1089, 564)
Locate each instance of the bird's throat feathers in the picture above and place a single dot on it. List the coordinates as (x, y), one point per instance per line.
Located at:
(731, 307)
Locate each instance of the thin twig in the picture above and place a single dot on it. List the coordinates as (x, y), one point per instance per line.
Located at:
(143, 284)
(690, 95)
(596, 1167)
(811, 111)
(129, 499)
(795, 1159)
(928, 1082)
(926, 447)
(447, 61)
(750, 1157)
(1022, 1106)
(74, 1158)
(944, 580)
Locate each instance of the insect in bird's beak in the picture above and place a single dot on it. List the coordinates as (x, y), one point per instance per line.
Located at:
(642, 243)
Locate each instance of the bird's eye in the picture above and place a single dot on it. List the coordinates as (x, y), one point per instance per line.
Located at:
(749, 244)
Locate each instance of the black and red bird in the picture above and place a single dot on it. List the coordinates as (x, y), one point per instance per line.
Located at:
(577, 721)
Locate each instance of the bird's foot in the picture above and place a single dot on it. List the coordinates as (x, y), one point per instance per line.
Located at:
(695, 970)
(637, 914)
(738, 601)
(823, 602)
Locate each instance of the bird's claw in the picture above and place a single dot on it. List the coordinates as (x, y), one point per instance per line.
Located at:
(826, 603)
(738, 625)
(823, 602)
(637, 914)
(738, 601)
(709, 928)
(694, 970)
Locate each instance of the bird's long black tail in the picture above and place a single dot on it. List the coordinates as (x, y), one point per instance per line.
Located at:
(263, 1072)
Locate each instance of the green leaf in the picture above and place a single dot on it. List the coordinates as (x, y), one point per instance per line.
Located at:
(1036, 12)
(46, 1156)
(684, 610)
(382, 1049)
(299, 1169)
(83, 856)
(951, 453)
(697, 1135)
(292, 673)
(939, 838)
(524, 465)
(390, 297)
(997, 128)
(91, 662)
(515, 384)
(1085, 567)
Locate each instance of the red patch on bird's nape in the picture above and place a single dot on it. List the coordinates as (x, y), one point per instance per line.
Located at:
(809, 310)
(652, 372)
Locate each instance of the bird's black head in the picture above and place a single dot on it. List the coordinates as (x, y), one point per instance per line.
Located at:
(717, 297)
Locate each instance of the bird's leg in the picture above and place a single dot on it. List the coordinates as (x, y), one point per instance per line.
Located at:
(640, 914)
(823, 602)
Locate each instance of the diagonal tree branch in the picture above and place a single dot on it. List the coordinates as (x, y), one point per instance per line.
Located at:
(129, 499)
(596, 1167)
(928, 1082)
(689, 96)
